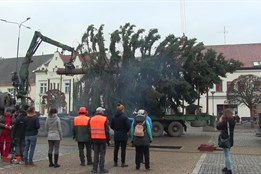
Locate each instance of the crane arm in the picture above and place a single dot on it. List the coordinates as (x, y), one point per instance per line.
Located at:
(24, 72)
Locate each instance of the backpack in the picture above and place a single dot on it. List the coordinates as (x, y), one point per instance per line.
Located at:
(138, 130)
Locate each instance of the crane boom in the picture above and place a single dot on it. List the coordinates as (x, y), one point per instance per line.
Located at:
(23, 86)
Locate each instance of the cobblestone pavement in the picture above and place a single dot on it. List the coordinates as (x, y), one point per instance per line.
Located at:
(246, 154)
(186, 160)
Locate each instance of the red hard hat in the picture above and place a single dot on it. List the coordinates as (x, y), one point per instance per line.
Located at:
(83, 110)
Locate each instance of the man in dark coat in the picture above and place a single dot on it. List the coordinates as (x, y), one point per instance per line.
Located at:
(121, 126)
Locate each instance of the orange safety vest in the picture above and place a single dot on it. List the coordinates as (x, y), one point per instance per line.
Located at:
(97, 125)
(81, 120)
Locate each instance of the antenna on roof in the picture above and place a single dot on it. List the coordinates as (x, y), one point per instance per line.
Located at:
(224, 33)
(183, 16)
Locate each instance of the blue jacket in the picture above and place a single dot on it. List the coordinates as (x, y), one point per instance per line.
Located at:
(147, 119)
(147, 138)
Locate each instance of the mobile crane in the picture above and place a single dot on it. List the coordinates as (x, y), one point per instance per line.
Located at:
(21, 81)
(23, 85)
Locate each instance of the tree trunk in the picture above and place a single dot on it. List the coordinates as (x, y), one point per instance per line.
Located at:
(252, 117)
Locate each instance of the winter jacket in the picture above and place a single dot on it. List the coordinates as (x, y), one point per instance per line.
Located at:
(31, 123)
(5, 120)
(222, 126)
(81, 129)
(18, 129)
(53, 127)
(147, 118)
(121, 126)
(147, 138)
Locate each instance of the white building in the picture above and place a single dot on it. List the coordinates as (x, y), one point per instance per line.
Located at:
(216, 99)
(47, 79)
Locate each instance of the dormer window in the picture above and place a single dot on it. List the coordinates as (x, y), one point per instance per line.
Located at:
(256, 63)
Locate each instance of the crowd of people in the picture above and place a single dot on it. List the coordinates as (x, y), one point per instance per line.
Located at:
(19, 129)
(18, 134)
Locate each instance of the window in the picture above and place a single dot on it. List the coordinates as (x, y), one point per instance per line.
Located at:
(229, 87)
(219, 87)
(43, 87)
(66, 87)
(256, 63)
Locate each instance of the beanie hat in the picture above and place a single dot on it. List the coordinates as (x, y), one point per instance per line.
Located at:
(120, 107)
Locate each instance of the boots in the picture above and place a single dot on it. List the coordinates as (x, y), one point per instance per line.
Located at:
(228, 172)
(56, 156)
(50, 157)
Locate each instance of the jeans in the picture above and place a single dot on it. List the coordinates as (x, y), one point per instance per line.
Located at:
(227, 158)
(30, 143)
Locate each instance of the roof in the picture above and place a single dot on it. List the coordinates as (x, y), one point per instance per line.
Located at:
(7, 66)
(246, 53)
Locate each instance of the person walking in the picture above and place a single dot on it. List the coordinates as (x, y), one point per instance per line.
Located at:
(31, 124)
(100, 135)
(54, 136)
(226, 127)
(81, 133)
(121, 126)
(141, 137)
(5, 138)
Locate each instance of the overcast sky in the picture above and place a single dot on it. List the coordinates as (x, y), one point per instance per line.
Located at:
(66, 21)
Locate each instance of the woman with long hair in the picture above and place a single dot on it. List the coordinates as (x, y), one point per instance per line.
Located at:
(226, 127)
(54, 130)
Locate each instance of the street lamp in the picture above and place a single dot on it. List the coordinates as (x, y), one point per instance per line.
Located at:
(18, 40)
(212, 92)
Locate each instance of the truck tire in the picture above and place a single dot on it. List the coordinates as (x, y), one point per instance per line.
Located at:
(157, 129)
(175, 129)
(198, 123)
(66, 129)
(42, 132)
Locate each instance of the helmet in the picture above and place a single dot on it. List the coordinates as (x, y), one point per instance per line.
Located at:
(83, 110)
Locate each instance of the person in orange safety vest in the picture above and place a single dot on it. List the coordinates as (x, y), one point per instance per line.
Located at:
(81, 134)
(100, 135)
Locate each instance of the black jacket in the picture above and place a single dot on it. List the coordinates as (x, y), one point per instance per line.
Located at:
(18, 129)
(222, 127)
(121, 126)
(31, 124)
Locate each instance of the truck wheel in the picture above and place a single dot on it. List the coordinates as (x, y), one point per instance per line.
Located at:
(65, 129)
(157, 129)
(175, 129)
(42, 132)
(198, 123)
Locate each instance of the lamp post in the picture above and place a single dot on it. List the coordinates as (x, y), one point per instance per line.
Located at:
(212, 92)
(18, 40)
